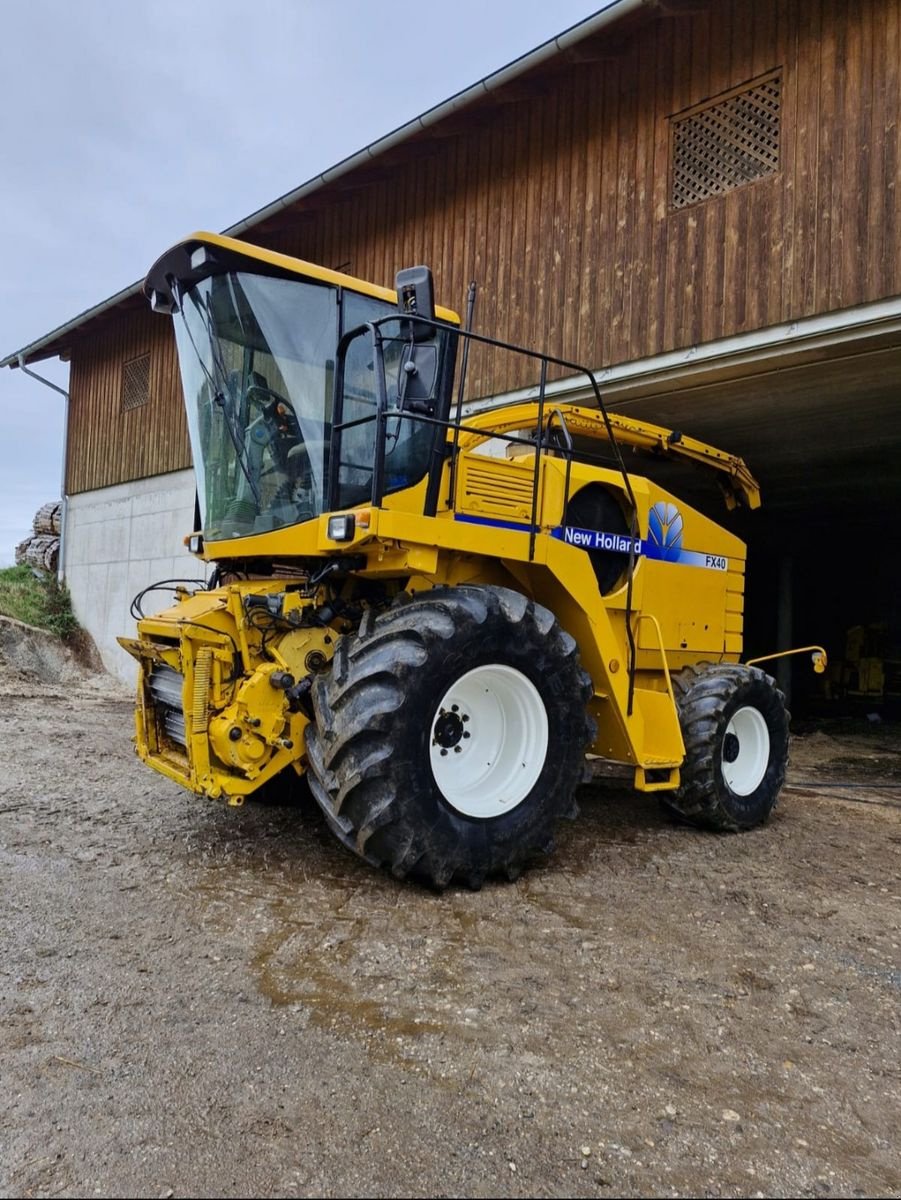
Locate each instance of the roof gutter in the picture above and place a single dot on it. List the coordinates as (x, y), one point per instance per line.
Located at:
(613, 12)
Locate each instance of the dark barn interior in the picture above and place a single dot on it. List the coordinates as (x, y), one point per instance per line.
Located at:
(823, 437)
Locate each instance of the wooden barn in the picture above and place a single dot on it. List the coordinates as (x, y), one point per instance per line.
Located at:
(695, 198)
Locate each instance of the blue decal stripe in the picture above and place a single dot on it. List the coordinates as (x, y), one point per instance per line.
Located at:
(493, 523)
(687, 558)
(595, 539)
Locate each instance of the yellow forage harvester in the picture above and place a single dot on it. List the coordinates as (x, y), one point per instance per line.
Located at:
(433, 617)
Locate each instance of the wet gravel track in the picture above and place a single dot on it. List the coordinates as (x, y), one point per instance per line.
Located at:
(196, 1000)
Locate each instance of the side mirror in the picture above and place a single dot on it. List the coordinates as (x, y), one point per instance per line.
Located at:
(416, 297)
(417, 376)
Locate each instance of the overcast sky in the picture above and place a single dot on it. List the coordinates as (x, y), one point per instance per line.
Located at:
(126, 126)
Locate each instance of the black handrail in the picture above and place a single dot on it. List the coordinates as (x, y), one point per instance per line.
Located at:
(548, 359)
(457, 425)
(381, 417)
(568, 451)
(539, 440)
(461, 388)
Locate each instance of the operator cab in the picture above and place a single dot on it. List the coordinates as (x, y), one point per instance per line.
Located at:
(258, 337)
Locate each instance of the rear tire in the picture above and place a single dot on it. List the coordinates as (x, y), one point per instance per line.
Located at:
(450, 735)
(736, 732)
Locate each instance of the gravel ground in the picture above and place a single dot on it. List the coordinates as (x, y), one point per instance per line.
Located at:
(199, 1001)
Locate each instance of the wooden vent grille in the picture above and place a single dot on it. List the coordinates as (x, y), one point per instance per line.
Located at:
(726, 142)
(135, 382)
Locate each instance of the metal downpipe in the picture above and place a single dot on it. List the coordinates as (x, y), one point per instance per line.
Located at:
(61, 566)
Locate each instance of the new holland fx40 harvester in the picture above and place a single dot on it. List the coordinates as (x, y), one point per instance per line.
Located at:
(434, 618)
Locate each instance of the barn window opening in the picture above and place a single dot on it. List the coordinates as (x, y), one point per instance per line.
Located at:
(725, 142)
(135, 382)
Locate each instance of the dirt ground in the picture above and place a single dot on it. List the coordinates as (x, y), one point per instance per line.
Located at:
(198, 1001)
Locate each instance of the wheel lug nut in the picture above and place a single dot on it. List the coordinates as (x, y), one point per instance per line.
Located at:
(465, 717)
(466, 733)
(443, 753)
(455, 708)
(457, 749)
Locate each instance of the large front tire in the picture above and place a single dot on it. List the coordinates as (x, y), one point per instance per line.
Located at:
(736, 732)
(450, 735)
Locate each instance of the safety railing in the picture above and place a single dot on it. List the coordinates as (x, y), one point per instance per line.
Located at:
(453, 426)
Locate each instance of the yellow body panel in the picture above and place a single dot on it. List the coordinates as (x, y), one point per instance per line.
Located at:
(680, 613)
(222, 705)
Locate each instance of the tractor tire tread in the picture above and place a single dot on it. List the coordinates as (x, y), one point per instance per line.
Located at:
(360, 749)
(704, 693)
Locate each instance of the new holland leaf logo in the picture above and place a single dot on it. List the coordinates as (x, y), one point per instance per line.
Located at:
(665, 530)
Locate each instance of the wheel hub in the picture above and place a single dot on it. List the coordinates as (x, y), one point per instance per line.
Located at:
(448, 731)
(731, 747)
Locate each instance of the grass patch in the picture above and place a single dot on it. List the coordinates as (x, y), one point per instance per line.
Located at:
(37, 601)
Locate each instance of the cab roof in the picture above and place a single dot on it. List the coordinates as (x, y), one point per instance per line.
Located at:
(176, 265)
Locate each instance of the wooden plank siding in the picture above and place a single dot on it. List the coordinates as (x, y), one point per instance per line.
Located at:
(555, 196)
(107, 445)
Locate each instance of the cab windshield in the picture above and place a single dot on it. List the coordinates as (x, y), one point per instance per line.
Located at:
(257, 357)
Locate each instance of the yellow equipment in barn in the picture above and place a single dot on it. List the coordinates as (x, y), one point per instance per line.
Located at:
(434, 618)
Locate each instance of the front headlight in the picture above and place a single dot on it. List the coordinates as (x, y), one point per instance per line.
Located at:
(341, 528)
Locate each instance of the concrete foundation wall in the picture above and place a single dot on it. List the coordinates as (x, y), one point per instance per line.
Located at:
(117, 541)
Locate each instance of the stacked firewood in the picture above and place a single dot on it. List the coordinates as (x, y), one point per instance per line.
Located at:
(41, 549)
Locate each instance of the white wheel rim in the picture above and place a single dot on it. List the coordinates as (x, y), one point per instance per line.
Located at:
(489, 741)
(746, 751)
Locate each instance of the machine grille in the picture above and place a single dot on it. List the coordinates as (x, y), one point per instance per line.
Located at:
(499, 487)
(166, 689)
